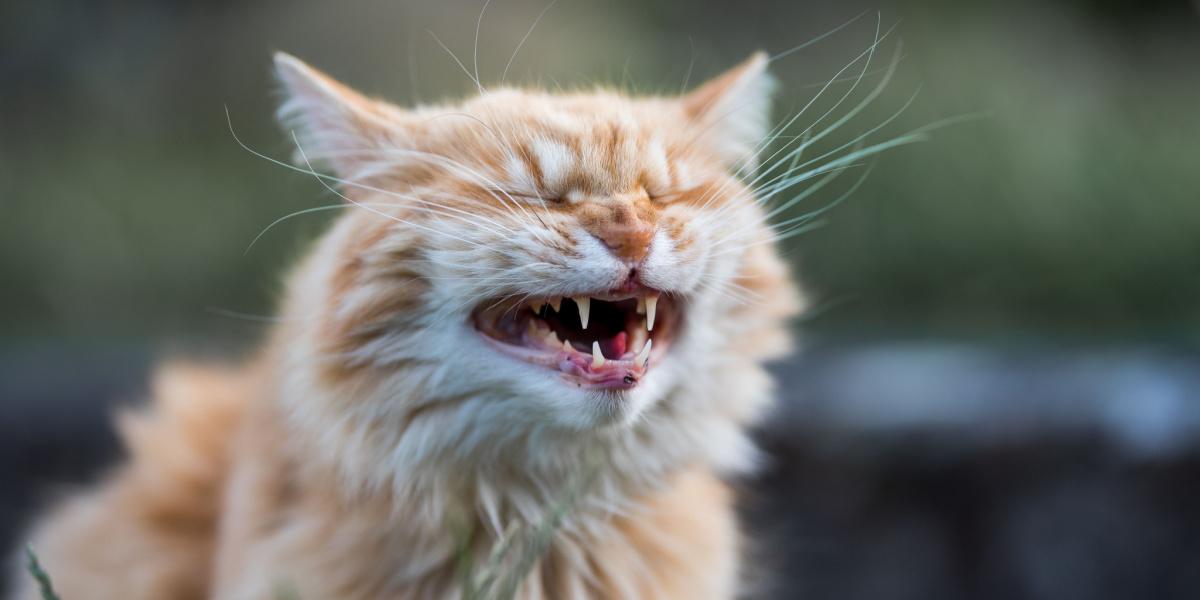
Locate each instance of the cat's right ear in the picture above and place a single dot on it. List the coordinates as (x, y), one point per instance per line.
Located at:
(732, 111)
(333, 124)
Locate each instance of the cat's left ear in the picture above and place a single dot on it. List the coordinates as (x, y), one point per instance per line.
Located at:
(732, 111)
(334, 124)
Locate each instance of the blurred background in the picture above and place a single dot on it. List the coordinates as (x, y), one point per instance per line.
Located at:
(998, 393)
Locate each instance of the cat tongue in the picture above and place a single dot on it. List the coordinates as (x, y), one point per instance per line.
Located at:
(615, 346)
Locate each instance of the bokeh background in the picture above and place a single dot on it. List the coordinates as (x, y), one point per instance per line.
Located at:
(998, 394)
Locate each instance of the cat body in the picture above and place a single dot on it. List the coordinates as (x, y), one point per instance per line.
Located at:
(522, 359)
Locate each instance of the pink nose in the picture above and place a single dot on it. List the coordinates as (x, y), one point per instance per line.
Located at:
(627, 236)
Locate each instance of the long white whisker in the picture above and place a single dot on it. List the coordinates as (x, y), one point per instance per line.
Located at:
(466, 215)
(802, 223)
(831, 174)
(478, 25)
(295, 214)
(521, 44)
(318, 177)
(458, 62)
(490, 187)
(687, 75)
(463, 168)
(808, 140)
(860, 107)
(426, 155)
(818, 38)
(322, 177)
(868, 53)
(787, 178)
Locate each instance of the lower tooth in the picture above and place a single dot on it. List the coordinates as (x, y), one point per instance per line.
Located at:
(597, 355)
(643, 356)
(637, 337)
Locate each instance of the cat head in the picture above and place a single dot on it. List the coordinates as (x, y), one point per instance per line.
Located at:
(566, 263)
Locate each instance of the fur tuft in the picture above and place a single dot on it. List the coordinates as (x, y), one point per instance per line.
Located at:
(154, 522)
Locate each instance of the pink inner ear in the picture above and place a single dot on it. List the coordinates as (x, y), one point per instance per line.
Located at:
(727, 85)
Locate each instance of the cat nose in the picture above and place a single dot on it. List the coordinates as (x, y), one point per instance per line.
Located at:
(627, 236)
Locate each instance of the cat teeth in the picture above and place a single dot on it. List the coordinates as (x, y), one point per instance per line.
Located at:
(597, 355)
(646, 305)
(585, 308)
(637, 338)
(643, 357)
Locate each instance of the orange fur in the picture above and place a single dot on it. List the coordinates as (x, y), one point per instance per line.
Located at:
(376, 443)
(150, 530)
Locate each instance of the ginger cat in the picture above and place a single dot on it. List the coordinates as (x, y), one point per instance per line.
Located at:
(529, 296)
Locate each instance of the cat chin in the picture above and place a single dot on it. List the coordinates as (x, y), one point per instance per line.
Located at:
(543, 398)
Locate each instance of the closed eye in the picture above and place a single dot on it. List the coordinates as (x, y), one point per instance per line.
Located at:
(672, 196)
(525, 195)
(666, 198)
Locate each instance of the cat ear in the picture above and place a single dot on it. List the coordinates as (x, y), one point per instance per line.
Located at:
(733, 110)
(334, 124)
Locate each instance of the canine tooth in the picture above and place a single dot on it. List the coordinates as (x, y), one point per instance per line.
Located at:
(585, 309)
(551, 338)
(651, 306)
(641, 305)
(597, 355)
(566, 345)
(643, 357)
(637, 338)
(556, 304)
(536, 306)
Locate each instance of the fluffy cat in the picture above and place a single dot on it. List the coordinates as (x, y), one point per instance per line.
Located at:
(529, 297)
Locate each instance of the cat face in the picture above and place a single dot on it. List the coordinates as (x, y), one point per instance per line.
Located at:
(568, 260)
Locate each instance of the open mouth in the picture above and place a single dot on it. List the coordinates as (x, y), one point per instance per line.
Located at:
(601, 341)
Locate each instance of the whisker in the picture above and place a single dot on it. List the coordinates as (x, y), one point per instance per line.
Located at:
(868, 53)
(859, 108)
(521, 44)
(808, 139)
(233, 314)
(491, 186)
(478, 25)
(687, 75)
(318, 177)
(787, 178)
(458, 62)
(322, 177)
(288, 216)
(804, 45)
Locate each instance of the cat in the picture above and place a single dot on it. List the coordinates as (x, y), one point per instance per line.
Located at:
(539, 324)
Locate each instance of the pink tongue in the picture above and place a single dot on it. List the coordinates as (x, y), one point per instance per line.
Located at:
(615, 347)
